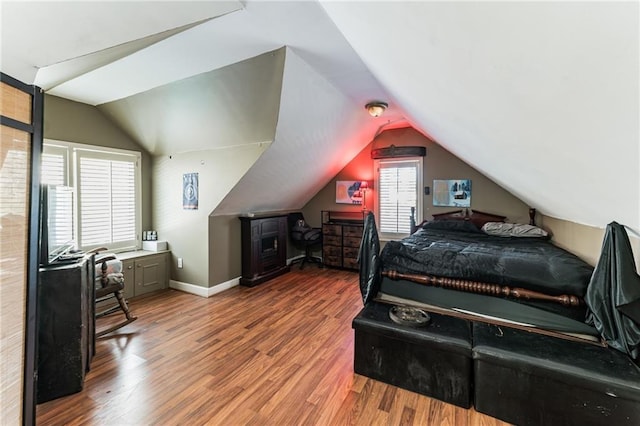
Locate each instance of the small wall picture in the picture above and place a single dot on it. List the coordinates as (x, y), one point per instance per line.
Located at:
(190, 191)
(452, 193)
(348, 192)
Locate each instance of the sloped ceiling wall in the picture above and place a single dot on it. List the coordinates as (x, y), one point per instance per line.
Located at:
(36, 35)
(542, 97)
(234, 105)
(317, 134)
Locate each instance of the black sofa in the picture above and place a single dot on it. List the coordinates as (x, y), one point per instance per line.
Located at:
(513, 375)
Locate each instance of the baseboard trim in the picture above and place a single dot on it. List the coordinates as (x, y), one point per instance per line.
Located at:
(293, 259)
(204, 291)
(223, 286)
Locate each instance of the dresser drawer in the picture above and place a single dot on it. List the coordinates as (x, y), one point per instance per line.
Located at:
(350, 252)
(352, 241)
(332, 251)
(332, 230)
(341, 236)
(332, 240)
(352, 231)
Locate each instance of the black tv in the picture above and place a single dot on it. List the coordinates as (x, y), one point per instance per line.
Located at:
(57, 233)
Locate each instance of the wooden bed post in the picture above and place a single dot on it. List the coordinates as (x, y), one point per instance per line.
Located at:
(532, 216)
(484, 288)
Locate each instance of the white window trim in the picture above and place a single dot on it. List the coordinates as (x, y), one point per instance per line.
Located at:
(386, 236)
(107, 153)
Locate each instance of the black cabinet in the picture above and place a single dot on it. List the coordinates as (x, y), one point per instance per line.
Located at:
(66, 327)
(264, 248)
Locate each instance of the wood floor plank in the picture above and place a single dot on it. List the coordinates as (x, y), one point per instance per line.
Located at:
(280, 353)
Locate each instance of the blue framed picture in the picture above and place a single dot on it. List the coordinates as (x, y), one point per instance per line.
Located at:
(190, 191)
(452, 193)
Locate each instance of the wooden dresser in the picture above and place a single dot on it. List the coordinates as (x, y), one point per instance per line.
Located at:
(341, 235)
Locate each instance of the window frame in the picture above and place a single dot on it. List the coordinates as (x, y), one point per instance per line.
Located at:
(419, 165)
(73, 152)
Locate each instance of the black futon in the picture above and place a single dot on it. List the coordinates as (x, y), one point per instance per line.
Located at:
(513, 375)
(434, 360)
(531, 379)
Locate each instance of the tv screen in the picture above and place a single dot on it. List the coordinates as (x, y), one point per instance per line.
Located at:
(57, 235)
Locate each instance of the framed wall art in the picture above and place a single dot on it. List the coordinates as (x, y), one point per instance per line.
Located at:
(190, 191)
(452, 193)
(348, 192)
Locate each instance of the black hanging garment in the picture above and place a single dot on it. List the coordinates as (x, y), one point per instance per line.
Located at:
(369, 260)
(613, 294)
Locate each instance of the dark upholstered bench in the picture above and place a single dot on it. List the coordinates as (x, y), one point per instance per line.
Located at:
(434, 360)
(531, 379)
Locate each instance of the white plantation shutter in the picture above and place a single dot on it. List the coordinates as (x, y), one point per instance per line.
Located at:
(60, 209)
(107, 199)
(107, 186)
(398, 192)
(54, 166)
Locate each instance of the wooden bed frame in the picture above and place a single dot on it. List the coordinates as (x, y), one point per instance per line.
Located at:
(476, 217)
(479, 218)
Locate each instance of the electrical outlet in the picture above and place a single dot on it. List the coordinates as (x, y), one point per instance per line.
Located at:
(179, 263)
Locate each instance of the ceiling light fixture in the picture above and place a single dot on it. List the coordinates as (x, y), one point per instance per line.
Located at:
(376, 108)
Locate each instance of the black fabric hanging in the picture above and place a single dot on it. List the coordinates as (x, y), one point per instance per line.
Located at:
(369, 260)
(613, 294)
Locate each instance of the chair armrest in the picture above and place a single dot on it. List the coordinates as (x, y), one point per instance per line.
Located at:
(105, 258)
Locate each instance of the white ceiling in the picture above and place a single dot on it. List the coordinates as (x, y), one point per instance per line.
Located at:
(542, 97)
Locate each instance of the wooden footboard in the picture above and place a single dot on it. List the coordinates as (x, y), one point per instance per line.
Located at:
(484, 288)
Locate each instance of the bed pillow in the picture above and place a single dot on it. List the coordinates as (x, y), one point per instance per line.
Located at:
(451, 225)
(502, 229)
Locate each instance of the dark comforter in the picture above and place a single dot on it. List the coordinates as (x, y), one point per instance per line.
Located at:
(531, 263)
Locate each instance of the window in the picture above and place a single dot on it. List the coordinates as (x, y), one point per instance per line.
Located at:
(398, 185)
(106, 186)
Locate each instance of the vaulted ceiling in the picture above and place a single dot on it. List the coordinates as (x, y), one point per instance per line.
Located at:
(541, 97)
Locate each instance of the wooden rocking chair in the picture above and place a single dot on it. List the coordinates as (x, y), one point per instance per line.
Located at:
(110, 285)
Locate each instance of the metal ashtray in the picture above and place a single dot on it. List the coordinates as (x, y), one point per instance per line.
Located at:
(406, 315)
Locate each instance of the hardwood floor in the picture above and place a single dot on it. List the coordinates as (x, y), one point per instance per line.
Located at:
(280, 353)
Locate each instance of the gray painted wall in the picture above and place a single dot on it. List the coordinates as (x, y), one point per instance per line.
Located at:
(224, 248)
(438, 164)
(210, 245)
(188, 232)
(71, 121)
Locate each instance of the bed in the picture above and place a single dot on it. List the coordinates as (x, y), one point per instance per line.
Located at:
(476, 266)
(512, 329)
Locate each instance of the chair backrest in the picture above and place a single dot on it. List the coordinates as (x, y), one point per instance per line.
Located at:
(293, 218)
(301, 233)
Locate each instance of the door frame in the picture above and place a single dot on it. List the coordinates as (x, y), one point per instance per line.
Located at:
(35, 129)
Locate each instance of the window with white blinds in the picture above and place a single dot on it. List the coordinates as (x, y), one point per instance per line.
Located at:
(55, 165)
(398, 186)
(60, 209)
(106, 184)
